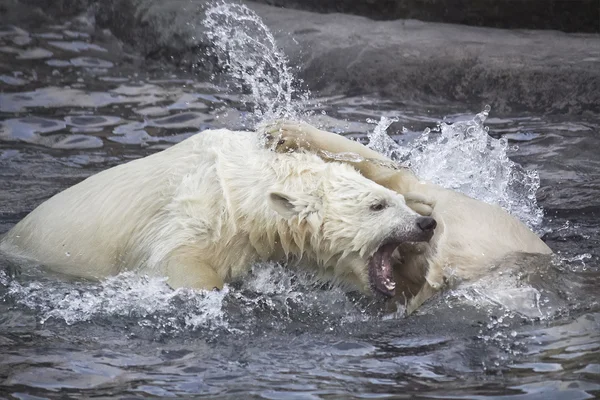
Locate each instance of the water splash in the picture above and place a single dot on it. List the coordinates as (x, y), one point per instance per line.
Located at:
(148, 300)
(269, 290)
(508, 293)
(578, 262)
(381, 142)
(247, 50)
(461, 156)
(465, 158)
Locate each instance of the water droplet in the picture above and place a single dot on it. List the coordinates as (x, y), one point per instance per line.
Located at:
(247, 49)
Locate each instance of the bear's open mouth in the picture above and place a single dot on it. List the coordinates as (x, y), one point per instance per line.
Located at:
(381, 275)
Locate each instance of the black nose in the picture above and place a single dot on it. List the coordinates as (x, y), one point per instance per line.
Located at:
(426, 223)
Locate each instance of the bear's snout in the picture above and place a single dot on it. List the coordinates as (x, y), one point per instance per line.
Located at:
(426, 224)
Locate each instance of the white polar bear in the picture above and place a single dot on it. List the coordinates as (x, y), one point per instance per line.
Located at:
(202, 211)
(471, 238)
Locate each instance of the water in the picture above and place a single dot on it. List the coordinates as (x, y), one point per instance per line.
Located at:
(247, 50)
(485, 173)
(281, 333)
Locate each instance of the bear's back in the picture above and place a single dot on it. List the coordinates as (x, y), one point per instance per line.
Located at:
(101, 220)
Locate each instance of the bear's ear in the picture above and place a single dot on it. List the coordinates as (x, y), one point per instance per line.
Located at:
(289, 206)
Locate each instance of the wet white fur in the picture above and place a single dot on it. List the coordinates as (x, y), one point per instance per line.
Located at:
(471, 236)
(202, 211)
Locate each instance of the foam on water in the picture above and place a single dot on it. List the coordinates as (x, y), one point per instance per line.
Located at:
(149, 300)
(276, 291)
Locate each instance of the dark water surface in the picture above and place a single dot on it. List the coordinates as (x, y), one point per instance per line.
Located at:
(72, 105)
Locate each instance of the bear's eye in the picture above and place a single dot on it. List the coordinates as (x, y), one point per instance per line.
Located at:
(379, 205)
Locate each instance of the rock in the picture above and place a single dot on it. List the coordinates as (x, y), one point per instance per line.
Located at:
(544, 71)
(563, 15)
(404, 60)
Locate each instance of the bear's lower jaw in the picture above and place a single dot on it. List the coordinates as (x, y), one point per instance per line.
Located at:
(381, 275)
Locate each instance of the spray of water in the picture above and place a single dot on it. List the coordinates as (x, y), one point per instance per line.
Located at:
(461, 156)
(148, 300)
(246, 49)
(464, 157)
(270, 289)
(381, 142)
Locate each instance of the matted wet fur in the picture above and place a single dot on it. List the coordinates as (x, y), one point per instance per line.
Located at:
(204, 210)
(470, 238)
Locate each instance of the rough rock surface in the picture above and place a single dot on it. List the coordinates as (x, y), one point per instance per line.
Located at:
(542, 71)
(563, 15)
(538, 70)
(545, 71)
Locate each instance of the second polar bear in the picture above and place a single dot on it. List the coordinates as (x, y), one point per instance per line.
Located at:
(471, 237)
(202, 211)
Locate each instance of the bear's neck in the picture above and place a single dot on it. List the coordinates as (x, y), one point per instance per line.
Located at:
(275, 238)
(271, 236)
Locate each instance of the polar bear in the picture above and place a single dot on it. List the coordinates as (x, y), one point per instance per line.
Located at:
(203, 211)
(472, 236)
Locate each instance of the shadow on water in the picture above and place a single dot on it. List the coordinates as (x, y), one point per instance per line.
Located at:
(72, 104)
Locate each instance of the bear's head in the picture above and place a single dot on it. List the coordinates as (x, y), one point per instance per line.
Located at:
(350, 225)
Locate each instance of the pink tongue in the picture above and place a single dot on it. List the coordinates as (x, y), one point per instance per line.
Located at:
(381, 275)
